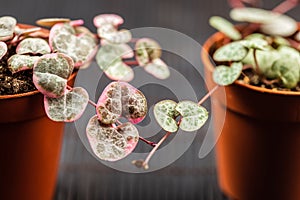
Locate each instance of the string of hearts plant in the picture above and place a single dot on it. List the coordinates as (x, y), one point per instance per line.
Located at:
(71, 45)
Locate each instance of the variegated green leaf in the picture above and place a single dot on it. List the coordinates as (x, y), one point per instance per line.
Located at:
(147, 50)
(224, 75)
(3, 49)
(158, 69)
(18, 62)
(234, 51)
(193, 115)
(255, 43)
(120, 71)
(165, 114)
(225, 27)
(68, 107)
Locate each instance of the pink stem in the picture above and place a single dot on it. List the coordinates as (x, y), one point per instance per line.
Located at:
(92, 103)
(236, 3)
(285, 6)
(131, 62)
(208, 95)
(153, 144)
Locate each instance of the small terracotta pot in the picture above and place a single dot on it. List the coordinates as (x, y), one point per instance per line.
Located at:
(258, 151)
(30, 145)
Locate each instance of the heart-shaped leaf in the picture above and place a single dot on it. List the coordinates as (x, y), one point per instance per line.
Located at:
(281, 41)
(105, 30)
(18, 63)
(120, 98)
(81, 48)
(147, 50)
(3, 49)
(110, 143)
(193, 115)
(120, 71)
(7, 26)
(158, 69)
(68, 107)
(109, 106)
(234, 51)
(165, 114)
(119, 37)
(50, 74)
(225, 27)
(33, 46)
(49, 22)
(113, 19)
(255, 43)
(224, 75)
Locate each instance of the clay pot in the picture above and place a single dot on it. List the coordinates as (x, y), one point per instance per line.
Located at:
(30, 146)
(258, 151)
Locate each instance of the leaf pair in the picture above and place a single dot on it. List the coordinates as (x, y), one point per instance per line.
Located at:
(108, 141)
(193, 116)
(50, 75)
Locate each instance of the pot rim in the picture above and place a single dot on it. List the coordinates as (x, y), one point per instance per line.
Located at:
(207, 61)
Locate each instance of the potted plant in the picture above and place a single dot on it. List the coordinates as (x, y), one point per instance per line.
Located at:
(257, 150)
(31, 142)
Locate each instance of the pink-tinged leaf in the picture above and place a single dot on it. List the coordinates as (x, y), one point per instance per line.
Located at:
(78, 22)
(113, 19)
(105, 30)
(50, 74)
(3, 49)
(119, 37)
(121, 98)
(49, 22)
(81, 48)
(158, 69)
(111, 144)
(134, 103)
(147, 50)
(119, 71)
(109, 106)
(7, 27)
(26, 31)
(79, 30)
(124, 49)
(33, 46)
(18, 62)
(68, 107)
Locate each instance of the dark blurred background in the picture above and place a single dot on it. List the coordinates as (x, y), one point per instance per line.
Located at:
(81, 176)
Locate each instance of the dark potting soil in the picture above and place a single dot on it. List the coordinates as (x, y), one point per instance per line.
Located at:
(20, 82)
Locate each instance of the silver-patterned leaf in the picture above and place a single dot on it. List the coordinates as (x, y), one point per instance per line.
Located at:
(234, 51)
(7, 27)
(147, 50)
(158, 69)
(50, 74)
(119, 71)
(165, 114)
(119, 37)
(113, 19)
(105, 30)
(255, 43)
(224, 75)
(3, 49)
(68, 107)
(33, 46)
(111, 144)
(253, 15)
(81, 48)
(18, 62)
(225, 27)
(193, 115)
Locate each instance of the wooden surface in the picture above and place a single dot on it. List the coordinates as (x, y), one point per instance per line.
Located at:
(81, 176)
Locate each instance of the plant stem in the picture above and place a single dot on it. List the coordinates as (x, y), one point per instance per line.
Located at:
(92, 103)
(153, 144)
(145, 163)
(208, 95)
(236, 3)
(285, 6)
(257, 69)
(131, 62)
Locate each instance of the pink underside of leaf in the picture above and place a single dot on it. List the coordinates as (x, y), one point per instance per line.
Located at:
(78, 22)
(137, 120)
(3, 46)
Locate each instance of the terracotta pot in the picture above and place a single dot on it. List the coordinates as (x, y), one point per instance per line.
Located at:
(30, 146)
(258, 151)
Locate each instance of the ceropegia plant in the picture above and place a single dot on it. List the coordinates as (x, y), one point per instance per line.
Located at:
(268, 46)
(115, 56)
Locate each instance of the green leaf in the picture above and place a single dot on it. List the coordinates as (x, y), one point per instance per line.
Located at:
(33, 46)
(147, 50)
(255, 43)
(158, 69)
(253, 15)
(193, 115)
(224, 75)
(21, 62)
(165, 114)
(225, 27)
(7, 26)
(234, 51)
